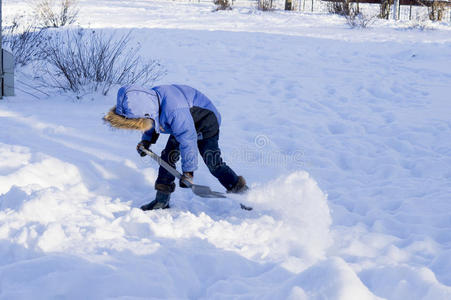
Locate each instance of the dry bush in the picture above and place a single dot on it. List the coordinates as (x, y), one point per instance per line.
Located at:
(356, 19)
(265, 5)
(342, 8)
(222, 4)
(55, 13)
(420, 22)
(437, 11)
(384, 9)
(86, 60)
(25, 40)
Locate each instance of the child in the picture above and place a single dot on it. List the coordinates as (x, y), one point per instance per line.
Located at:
(193, 123)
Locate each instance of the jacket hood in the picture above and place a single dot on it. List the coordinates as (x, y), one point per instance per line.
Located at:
(137, 108)
(117, 121)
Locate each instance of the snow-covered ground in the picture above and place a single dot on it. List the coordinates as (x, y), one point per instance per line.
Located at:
(344, 136)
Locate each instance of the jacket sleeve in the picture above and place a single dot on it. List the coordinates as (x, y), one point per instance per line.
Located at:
(182, 127)
(151, 136)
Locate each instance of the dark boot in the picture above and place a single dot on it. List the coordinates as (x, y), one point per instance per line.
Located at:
(240, 187)
(161, 201)
(161, 198)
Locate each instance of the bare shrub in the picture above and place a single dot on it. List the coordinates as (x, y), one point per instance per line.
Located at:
(358, 20)
(56, 13)
(384, 8)
(354, 18)
(437, 10)
(87, 60)
(222, 4)
(25, 40)
(420, 22)
(265, 5)
(342, 8)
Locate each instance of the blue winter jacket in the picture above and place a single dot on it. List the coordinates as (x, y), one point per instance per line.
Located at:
(179, 110)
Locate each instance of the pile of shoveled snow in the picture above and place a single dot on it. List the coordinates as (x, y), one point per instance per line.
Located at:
(63, 239)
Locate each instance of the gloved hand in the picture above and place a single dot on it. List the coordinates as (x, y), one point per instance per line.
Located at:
(188, 176)
(145, 144)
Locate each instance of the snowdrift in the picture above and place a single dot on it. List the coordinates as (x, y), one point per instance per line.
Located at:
(52, 225)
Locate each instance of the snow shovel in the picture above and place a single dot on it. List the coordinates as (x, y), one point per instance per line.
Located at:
(200, 190)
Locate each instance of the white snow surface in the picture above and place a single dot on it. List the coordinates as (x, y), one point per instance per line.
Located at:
(343, 135)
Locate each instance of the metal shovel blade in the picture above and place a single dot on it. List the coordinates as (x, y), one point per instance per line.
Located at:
(205, 192)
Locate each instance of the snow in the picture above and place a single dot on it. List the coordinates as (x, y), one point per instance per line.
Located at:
(342, 134)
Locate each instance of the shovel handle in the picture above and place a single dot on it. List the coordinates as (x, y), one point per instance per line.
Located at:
(164, 164)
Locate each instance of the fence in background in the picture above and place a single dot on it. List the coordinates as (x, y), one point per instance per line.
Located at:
(407, 10)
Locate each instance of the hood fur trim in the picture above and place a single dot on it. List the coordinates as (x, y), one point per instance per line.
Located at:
(120, 122)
